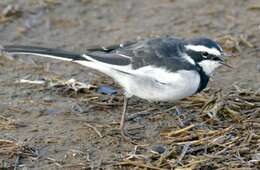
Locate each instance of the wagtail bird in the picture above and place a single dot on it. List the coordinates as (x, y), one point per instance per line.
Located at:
(155, 69)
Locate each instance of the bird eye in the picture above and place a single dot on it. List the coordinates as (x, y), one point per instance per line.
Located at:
(205, 53)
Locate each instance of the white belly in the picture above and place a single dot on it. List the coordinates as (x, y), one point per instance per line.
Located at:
(152, 83)
(156, 84)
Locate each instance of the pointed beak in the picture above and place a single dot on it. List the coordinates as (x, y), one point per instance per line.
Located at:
(225, 64)
(223, 59)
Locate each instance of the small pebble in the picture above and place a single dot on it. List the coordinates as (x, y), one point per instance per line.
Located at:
(76, 109)
(158, 149)
(107, 90)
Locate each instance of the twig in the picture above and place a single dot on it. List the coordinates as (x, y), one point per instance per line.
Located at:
(184, 151)
(76, 166)
(173, 133)
(98, 123)
(140, 114)
(3, 141)
(32, 81)
(54, 161)
(94, 128)
(245, 41)
(128, 162)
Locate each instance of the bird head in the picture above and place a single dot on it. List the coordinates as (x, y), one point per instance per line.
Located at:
(207, 53)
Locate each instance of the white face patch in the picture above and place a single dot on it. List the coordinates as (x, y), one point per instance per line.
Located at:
(209, 66)
(201, 48)
(189, 59)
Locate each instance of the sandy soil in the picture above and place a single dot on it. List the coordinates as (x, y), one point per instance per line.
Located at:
(58, 124)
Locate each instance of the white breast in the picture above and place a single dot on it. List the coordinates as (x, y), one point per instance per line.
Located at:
(151, 83)
(157, 84)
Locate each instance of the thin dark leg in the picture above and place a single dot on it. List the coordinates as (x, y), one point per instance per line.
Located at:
(124, 134)
(122, 122)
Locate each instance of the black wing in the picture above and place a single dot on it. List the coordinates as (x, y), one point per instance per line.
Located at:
(109, 54)
(161, 52)
(111, 47)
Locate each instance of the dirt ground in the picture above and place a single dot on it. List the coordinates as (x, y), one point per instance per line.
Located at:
(52, 128)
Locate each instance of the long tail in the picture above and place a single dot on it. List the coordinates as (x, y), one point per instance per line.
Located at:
(44, 52)
(95, 62)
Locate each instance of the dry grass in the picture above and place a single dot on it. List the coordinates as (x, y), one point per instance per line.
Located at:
(224, 134)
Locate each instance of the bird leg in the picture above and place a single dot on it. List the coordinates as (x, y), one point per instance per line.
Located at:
(124, 134)
(122, 122)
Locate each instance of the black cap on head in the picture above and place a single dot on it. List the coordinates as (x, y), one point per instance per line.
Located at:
(206, 42)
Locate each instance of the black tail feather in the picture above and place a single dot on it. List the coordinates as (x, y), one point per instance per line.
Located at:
(41, 50)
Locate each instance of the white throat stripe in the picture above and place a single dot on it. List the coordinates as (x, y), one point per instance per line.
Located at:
(189, 59)
(201, 48)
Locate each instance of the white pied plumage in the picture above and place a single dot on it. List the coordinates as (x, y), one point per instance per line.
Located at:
(156, 69)
(201, 48)
(149, 82)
